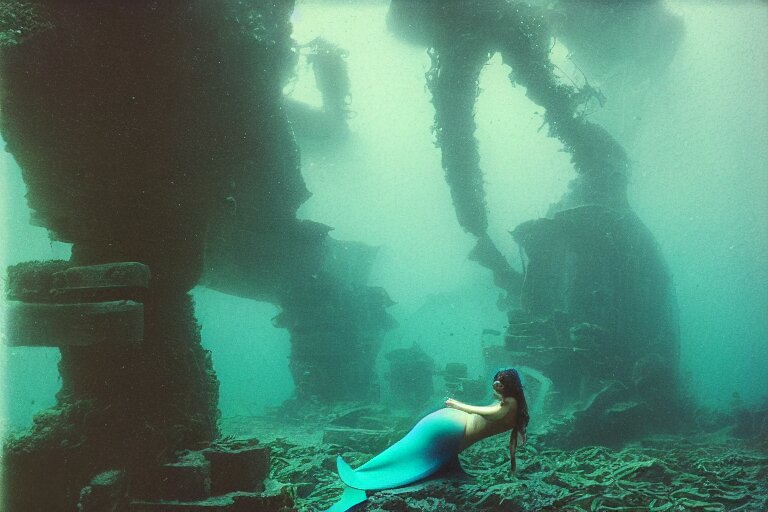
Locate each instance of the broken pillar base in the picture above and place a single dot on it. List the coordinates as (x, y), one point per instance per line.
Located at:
(226, 477)
(410, 375)
(29, 458)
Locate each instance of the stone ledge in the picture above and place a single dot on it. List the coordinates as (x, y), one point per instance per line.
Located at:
(106, 491)
(96, 283)
(84, 324)
(59, 282)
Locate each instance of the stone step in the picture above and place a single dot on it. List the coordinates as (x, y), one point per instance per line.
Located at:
(188, 479)
(113, 275)
(84, 324)
(237, 465)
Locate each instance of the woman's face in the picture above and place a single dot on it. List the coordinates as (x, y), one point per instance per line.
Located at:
(498, 387)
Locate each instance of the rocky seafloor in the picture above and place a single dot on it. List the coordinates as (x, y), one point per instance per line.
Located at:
(712, 471)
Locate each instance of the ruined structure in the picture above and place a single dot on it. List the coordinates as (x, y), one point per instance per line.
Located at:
(152, 132)
(595, 302)
(462, 36)
(152, 136)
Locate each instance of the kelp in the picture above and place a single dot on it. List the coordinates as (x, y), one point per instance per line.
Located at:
(461, 37)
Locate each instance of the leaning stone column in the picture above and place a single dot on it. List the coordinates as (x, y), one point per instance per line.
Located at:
(111, 109)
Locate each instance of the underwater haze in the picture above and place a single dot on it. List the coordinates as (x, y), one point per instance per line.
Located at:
(695, 129)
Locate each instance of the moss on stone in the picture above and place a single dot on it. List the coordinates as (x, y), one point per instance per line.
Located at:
(19, 19)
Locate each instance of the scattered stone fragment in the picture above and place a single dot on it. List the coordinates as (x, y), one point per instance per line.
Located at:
(661, 473)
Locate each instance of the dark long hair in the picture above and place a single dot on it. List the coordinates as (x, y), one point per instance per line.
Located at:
(513, 387)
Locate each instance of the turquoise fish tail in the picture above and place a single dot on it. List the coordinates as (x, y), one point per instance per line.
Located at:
(349, 499)
(434, 442)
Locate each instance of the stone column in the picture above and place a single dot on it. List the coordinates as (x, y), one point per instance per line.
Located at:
(112, 110)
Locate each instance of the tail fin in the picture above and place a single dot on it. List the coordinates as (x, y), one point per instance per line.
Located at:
(346, 473)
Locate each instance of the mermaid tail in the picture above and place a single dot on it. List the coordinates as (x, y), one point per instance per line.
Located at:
(431, 445)
(349, 499)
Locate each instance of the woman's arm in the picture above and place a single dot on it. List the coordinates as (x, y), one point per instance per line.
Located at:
(498, 410)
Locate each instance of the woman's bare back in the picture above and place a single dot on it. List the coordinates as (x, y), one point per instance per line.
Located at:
(479, 427)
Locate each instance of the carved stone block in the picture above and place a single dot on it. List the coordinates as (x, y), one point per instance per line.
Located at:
(238, 466)
(86, 324)
(185, 480)
(110, 281)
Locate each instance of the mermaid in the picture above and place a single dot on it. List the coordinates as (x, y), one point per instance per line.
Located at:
(437, 439)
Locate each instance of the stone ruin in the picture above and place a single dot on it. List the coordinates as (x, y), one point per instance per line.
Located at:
(153, 138)
(592, 317)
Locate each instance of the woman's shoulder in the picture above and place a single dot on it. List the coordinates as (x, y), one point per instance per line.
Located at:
(510, 404)
(509, 401)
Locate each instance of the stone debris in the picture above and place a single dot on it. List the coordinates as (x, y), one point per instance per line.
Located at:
(357, 438)
(106, 492)
(706, 472)
(188, 479)
(228, 476)
(233, 502)
(237, 465)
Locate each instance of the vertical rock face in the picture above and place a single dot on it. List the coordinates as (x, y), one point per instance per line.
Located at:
(462, 36)
(598, 306)
(113, 112)
(336, 333)
(102, 109)
(153, 132)
(596, 299)
(258, 249)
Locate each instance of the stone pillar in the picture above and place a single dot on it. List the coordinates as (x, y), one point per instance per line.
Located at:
(112, 111)
(335, 337)
(599, 306)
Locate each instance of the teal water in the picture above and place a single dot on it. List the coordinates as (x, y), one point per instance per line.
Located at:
(697, 136)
